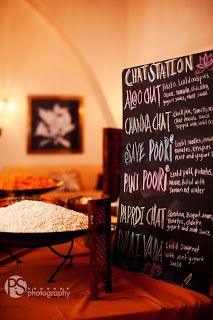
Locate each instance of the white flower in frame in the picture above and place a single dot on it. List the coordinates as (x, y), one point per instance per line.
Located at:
(54, 125)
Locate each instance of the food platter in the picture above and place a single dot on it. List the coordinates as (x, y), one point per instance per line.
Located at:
(39, 239)
(26, 185)
(31, 192)
(35, 239)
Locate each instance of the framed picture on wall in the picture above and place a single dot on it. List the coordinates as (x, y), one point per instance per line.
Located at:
(54, 124)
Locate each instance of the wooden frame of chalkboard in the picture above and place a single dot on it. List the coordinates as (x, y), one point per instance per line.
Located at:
(165, 220)
(55, 124)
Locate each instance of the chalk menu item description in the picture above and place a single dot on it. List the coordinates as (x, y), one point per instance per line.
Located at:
(165, 220)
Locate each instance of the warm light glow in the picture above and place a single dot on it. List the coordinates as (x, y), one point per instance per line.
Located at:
(1, 104)
(11, 105)
(5, 105)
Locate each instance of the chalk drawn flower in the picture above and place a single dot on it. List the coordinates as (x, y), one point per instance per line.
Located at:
(54, 125)
(154, 270)
(205, 63)
(147, 268)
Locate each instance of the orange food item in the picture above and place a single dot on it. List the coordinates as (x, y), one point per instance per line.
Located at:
(18, 181)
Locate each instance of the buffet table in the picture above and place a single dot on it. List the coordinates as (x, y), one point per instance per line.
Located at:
(134, 296)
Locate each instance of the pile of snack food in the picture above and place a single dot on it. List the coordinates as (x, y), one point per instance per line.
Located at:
(37, 216)
(19, 181)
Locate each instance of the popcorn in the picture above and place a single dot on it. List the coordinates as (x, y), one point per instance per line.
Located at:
(29, 216)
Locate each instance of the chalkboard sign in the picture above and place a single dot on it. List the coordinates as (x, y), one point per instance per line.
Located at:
(165, 221)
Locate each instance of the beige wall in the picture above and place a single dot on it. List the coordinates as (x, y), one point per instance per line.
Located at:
(69, 47)
(163, 29)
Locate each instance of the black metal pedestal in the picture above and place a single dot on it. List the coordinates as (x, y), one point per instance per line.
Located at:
(64, 257)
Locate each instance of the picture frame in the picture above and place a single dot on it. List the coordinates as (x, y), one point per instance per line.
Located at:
(55, 124)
